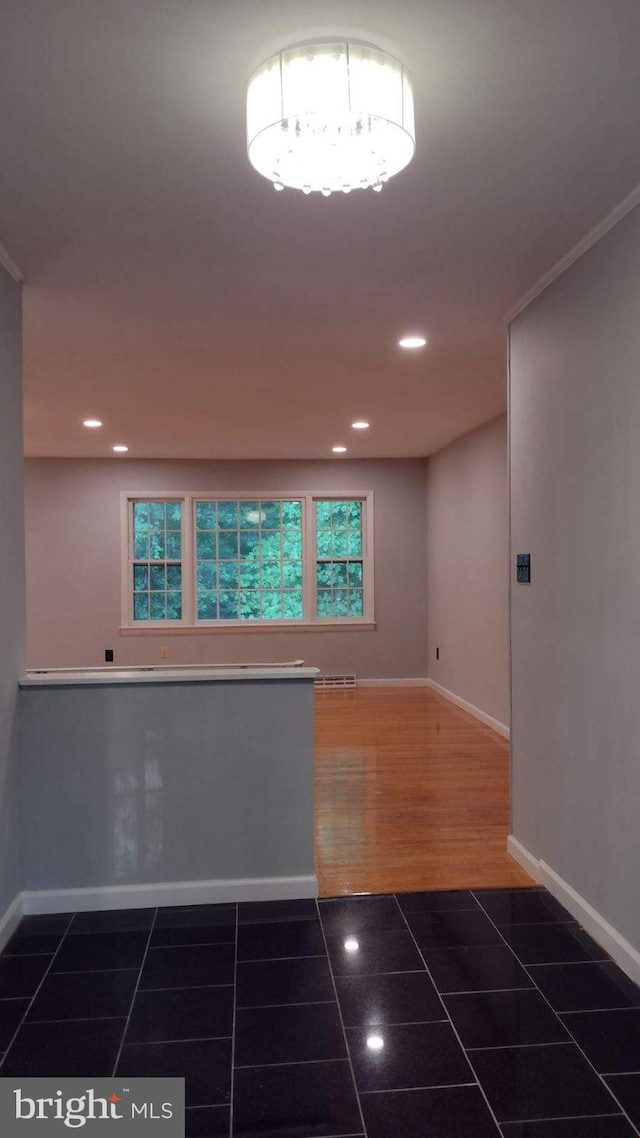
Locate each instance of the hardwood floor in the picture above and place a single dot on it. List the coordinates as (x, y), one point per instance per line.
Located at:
(411, 793)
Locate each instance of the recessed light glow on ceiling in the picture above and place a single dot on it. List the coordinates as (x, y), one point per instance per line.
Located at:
(360, 425)
(339, 450)
(92, 423)
(329, 117)
(351, 944)
(120, 448)
(375, 1042)
(412, 342)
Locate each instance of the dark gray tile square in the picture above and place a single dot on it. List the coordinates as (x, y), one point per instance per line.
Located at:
(372, 952)
(611, 1040)
(445, 1112)
(399, 1057)
(193, 967)
(299, 980)
(45, 924)
(484, 968)
(526, 1083)
(24, 943)
(400, 997)
(94, 952)
(195, 916)
(586, 987)
(21, 975)
(84, 995)
(12, 1013)
(347, 916)
(437, 902)
(280, 939)
(178, 935)
(512, 907)
(454, 929)
(259, 912)
(78, 1049)
(626, 1088)
(306, 1100)
(207, 1122)
(504, 1019)
(299, 1033)
(204, 1064)
(552, 943)
(184, 1013)
(112, 921)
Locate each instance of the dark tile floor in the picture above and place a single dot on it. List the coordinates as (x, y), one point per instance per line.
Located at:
(447, 1015)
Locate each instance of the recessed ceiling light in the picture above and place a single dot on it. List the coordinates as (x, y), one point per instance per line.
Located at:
(360, 425)
(120, 448)
(339, 450)
(92, 423)
(412, 342)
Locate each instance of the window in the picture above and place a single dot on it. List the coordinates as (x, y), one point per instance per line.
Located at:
(155, 547)
(207, 561)
(339, 559)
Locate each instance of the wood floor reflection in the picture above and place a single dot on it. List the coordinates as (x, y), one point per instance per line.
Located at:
(411, 793)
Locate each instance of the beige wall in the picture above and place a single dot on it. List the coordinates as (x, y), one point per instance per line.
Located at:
(467, 582)
(575, 495)
(11, 582)
(73, 564)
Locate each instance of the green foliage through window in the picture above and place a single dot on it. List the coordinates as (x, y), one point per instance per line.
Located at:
(339, 559)
(249, 560)
(157, 560)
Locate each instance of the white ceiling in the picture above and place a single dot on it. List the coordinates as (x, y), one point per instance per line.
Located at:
(173, 294)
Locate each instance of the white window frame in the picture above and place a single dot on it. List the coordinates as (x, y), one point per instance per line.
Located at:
(189, 624)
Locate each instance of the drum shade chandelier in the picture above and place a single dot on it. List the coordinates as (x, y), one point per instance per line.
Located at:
(330, 116)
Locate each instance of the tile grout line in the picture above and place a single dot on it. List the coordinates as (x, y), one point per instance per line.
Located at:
(37, 991)
(344, 1030)
(233, 1020)
(135, 993)
(561, 1118)
(572, 1039)
(429, 1087)
(453, 1027)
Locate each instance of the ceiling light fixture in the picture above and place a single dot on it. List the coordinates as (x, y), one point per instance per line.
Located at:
(93, 423)
(339, 450)
(412, 342)
(330, 116)
(120, 448)
(360, 425)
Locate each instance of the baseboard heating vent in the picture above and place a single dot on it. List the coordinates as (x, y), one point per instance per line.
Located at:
(332, 683)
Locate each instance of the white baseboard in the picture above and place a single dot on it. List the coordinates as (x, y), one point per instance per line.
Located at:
(622, 951)
(10, 920)
(527, 861)
(396, 682)
(168, 893)
(488, 720)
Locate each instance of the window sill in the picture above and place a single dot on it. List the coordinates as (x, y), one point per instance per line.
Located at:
(242, 630)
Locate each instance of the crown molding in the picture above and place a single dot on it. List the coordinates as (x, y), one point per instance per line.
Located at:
(617, 214)
(9, 264)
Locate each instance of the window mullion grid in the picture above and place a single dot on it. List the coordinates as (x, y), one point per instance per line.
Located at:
(130, 562)
(188, 559)
(309, 550)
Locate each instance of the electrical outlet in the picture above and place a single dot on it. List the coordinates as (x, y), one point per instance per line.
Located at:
(108, 655)
(523, 568)
(164, 653)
